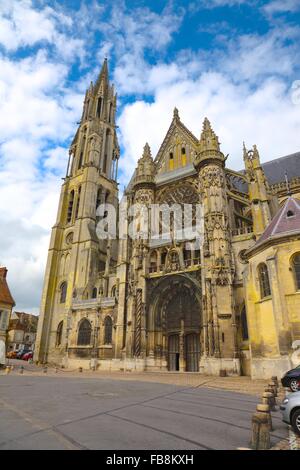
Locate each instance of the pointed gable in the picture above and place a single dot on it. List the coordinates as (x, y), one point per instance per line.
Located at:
(286, 221)
(178, 147)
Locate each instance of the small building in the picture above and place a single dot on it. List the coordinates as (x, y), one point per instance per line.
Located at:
(272, 287)
(6, 305)
(22, 331)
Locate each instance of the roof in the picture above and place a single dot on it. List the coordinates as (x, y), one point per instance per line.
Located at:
(5, 295)
(23, 321)
(286, 221)
(276, 169)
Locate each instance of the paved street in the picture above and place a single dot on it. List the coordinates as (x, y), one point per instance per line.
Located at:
(65, 412)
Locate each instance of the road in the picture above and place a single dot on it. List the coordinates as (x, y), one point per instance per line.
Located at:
(60, 412)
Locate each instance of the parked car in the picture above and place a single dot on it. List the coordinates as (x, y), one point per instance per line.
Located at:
(27, 356)
(20, 354)
(292, 379)
(11, 355)
(290, 409)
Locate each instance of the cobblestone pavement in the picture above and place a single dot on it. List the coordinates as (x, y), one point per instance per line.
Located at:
(242, 385)
(188, 379)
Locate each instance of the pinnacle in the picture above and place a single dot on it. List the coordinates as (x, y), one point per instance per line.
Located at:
(147, 151)
(103, 76)
(206, 125)
(175, 113)
(208, 139)
(245, 151)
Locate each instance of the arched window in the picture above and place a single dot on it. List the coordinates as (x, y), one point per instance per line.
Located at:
(99, 106)
(78, 202)
(70, 206)
(153, 262)
(63, 292)
(98, 200)
(296, 268)
(87, 109)
(171, 161)
(82, 152)
(84, 333)
(94, 293)
(106, 150)
(107, 330)
(244, 324)
(113, 291)
(110, 113)
(59, 334)
(264, 282)
(183, 156)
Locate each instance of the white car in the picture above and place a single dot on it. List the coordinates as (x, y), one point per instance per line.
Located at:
(290, 409)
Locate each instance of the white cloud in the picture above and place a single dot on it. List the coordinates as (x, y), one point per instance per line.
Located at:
(244, 90)
(266, 117)
(38, 114)
(281, 6)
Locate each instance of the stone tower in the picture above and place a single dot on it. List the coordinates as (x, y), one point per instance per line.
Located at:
(76, 256)
(218, 266)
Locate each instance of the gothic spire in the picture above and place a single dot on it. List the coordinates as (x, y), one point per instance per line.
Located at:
(208, 139)
(103, 76)
(145, 170)
(209, 147)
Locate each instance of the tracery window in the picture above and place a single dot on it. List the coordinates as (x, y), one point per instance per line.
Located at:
(84, 333)
(70, 206)
(244, 324)
(94, 293)
(108, 330)
(264, 281)
(63, 292)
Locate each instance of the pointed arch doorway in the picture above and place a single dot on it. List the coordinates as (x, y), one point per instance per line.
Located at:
(179, 321)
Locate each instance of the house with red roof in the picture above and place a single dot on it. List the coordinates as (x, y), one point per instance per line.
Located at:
(6, 305)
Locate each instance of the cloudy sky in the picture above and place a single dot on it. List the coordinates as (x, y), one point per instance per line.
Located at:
(235, 61)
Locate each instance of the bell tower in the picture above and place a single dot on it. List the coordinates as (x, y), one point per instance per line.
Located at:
(76, 255)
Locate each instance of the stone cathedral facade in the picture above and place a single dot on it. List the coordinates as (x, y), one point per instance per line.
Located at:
(227, 304)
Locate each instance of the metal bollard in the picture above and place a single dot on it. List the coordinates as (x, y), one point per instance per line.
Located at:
(21, 369)
(260, 439)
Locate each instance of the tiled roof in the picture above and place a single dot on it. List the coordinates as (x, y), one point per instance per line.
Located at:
(5, 295)
(286, 221)
(276, 169)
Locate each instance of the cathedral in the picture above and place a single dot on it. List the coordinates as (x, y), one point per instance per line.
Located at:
(225, 303)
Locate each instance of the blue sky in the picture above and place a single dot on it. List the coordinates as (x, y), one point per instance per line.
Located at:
(235, 61)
